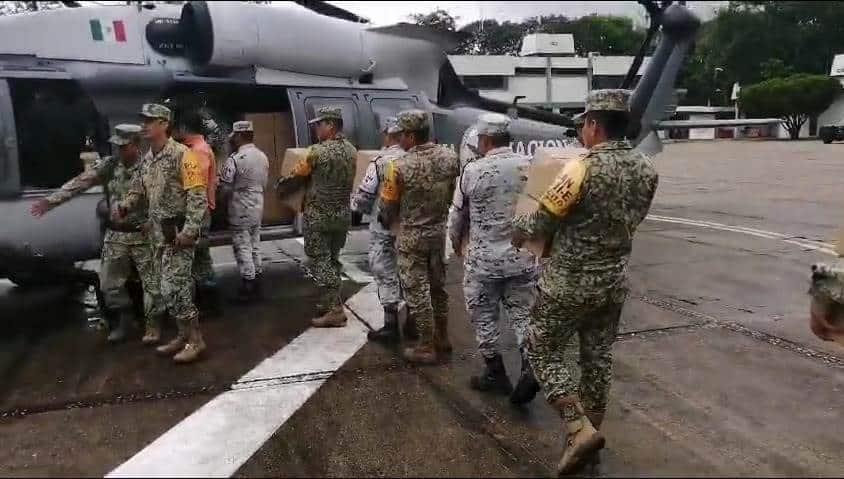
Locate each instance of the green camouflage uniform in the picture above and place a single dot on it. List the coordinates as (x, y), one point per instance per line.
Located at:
(125, 246)
(417, 191)
(171, 181)
(582, 288)
(329, 172)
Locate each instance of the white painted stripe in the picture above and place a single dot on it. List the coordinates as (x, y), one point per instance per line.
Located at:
(218, 438)
(355, 274)
(809, 245)
(301, 240)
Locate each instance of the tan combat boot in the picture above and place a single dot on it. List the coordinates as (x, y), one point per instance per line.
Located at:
(177, 343)
(583, 441)
(335, 318)
(194, 346)
(152, 334)
(422, 353)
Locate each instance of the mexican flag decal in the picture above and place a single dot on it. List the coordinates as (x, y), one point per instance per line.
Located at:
(114, 32)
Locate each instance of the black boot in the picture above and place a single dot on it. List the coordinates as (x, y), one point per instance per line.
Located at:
(527, 387)
(124, 322)
(494, 378)
(390, 332)
(246, 292)
(411, 332)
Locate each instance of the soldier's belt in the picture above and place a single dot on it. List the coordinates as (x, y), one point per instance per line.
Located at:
(123, 228)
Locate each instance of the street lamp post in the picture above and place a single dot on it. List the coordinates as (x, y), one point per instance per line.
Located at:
(714, 79)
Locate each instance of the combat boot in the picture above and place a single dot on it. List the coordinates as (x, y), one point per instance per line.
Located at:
(124, 322)
(194, 346)
(335, 318)
(493, 379)
(527, 387)
(389, 334)
(422, 353)
(152, 335)
(246, 291)
(411, 331)
(177, 344)
(583, 441)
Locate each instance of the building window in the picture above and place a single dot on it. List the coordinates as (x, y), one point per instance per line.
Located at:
(486, 82)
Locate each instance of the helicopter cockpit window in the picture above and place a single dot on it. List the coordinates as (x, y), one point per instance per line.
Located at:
(54, 118)
(386, 107)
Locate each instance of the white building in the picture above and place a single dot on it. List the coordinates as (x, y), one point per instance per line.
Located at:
(835, 113)
(547, 73)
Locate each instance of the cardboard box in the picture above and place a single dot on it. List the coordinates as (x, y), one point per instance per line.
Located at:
(547, 163)
(273, 136)
(294, 201)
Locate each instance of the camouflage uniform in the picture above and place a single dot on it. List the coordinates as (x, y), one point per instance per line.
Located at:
(173, 180)
(245, 173)
(495, 273)
(382, 242)
(417, 191)
(125, 245)
(589, 214)
(329, 171)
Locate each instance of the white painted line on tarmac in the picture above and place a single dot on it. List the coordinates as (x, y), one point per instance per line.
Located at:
(809, 245)
(355, 274)
(218, 438)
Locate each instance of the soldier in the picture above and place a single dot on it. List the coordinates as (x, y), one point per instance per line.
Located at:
(495, 273)
(190, 133)
(382, 242)
(329, 171)
(126, 244)
(417, 191)
(589, 213)
(174, 182)
(243, 179)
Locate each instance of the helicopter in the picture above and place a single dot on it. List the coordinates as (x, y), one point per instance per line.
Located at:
(98, 65)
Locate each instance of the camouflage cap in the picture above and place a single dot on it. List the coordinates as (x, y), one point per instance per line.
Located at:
(492, 124)
(154, 110)
(412, 120)
(125, 134)
(605, 100)
(241, 126)
(327, 113)
(389, 125)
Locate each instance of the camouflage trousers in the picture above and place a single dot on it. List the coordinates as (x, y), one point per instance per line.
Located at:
(323, 251)
(553, 322)
(246, 244)
(175, 267)
(118, 260)
(422, 275)
(203, 266)
(484, 299)
(382, 262)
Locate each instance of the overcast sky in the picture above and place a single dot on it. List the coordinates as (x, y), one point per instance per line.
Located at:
(386, 13)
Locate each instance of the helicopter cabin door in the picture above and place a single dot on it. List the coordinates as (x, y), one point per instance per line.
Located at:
(9, 171)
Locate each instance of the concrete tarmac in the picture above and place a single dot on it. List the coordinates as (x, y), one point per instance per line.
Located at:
(716, 371)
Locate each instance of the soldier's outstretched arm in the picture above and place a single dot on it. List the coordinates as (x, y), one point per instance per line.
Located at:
(388, 203)
(91, 177)
(363, 200)
(299, 176)
(194, 181)
(458, 215)
(554, 205)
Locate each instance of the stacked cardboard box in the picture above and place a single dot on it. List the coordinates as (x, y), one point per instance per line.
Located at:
(274, 136)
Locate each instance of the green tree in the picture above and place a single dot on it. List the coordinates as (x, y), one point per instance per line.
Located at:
(795, 99)
(607, 35)
(439, 20)
(11, 8)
